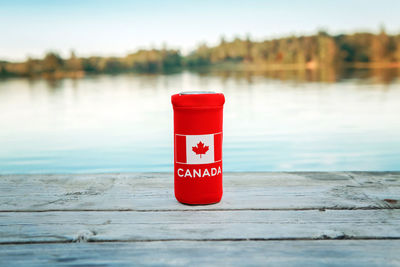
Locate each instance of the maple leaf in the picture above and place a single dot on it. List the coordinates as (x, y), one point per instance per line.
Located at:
(200, 149)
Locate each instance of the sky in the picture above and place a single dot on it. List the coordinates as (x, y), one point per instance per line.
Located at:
(114, 28)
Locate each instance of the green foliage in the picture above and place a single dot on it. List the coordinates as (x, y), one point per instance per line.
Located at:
(52, 62)
(152, 61)
(321, 49)
(315, 51)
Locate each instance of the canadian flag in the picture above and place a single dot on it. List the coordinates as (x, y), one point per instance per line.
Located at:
(198, 149)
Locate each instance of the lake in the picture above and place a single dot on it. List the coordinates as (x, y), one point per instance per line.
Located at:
(123, 123)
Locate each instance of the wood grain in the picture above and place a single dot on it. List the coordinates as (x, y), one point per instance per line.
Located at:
(197, 225)
(190, 253)
(278, 219)
(154, 191)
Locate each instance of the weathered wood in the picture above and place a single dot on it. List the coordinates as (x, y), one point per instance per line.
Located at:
(197, 225)
(41, 214)
(189, 253)
(154, 191)
(383, 189)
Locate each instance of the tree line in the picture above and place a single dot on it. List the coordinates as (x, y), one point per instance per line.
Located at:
(295, 52)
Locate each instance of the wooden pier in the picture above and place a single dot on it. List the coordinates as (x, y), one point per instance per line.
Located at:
(273, 219)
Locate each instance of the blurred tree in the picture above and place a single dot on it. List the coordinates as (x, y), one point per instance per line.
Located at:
(52, 62)
(3, 70)
(396, 54)
(74, 63)
(301, 52)
(327, 50)
(379, 47)
(30, 67)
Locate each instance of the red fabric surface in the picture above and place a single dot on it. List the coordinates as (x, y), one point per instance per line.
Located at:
(198, 176)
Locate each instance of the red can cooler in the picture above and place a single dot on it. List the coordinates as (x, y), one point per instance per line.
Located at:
(198, 147)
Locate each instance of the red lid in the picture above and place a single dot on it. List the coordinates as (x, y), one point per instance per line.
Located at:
(198, 99)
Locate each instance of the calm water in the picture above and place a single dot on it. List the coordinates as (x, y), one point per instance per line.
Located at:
(124, 123)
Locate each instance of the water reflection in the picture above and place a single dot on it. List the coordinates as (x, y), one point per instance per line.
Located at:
(325, 120)
(327, 75)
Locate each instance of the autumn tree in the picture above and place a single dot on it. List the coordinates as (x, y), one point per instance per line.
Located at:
(74, 63)
(52, 62)
(379, 46)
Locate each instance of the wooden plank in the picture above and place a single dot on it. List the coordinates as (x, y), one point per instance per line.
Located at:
(382, 188)
(189, 253)
(154, 191)
(25, 227)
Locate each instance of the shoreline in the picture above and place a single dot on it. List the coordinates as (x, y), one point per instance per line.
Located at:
(224, 67)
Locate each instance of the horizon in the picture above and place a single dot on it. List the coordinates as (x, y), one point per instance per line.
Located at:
(96, 29)
(67, 55)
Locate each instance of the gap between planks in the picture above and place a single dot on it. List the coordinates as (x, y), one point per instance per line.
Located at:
(191, 210)
(321, 238)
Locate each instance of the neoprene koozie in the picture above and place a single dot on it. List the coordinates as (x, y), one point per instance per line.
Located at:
(198, 147)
